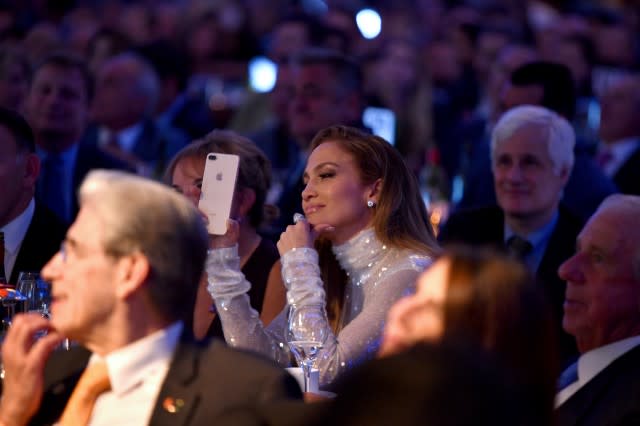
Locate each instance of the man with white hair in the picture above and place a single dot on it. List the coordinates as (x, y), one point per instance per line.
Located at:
(122, 284)
(127, 92)
(532, 158)
(602, 312)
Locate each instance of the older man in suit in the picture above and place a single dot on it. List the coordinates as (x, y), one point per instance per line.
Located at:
(532, 158)
(602, 312)
(126, 276)
(31, 232)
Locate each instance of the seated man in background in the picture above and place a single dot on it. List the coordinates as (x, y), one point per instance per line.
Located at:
(126, 276)
(57, 107)
(532, 158)
(30, 232)
(601, 311)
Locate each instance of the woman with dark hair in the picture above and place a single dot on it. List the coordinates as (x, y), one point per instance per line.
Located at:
(258, 257)
(484, 299)
(365, 239)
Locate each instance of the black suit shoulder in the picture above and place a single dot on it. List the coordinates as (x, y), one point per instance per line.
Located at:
(479, 226)
(212, 380)
(611, 398)
(40, 243)
(627, 178)
(205, 381)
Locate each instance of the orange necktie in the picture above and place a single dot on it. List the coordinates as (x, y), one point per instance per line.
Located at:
(93, 382)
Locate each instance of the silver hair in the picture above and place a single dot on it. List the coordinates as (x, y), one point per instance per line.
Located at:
(629, 206)
(143, 216)
(560, 138)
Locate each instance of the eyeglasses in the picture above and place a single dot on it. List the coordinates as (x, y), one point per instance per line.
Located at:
(70, 247)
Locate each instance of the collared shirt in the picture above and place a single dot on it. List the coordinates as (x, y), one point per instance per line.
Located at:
(14, 233)
(538, 239)
(620, 152)
(68, 159)
(591, 363)
(126, 138)
(137, 372)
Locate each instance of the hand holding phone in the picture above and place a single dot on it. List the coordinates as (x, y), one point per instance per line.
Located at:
(218, 187)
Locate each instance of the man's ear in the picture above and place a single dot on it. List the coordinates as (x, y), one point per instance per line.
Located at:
(132, 272)
(565, 172)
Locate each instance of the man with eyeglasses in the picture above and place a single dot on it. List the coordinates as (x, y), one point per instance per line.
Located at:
(124, 280)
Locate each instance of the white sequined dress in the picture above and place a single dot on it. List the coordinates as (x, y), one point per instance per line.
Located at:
(378, 276)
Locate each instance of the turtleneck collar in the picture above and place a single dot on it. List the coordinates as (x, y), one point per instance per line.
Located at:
(360, 253)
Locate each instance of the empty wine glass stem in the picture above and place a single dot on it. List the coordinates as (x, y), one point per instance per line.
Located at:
(306, 370)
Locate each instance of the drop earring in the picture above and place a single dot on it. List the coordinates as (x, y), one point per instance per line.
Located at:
(371, 204)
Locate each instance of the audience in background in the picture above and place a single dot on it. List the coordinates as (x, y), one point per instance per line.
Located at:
(57, 108)
(15, 77)
(619, 154)
(127, 130)
(259, 258)
(177, 109)
(549, 85)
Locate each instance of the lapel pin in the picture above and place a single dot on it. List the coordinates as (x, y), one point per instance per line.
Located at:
(172, 405)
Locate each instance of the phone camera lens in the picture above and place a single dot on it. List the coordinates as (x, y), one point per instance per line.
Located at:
(212, 157)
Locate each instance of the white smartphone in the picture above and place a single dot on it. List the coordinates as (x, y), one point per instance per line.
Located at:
(218, 187)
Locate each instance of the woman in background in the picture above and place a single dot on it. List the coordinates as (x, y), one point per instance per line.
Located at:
(483, 299)
(259, 258)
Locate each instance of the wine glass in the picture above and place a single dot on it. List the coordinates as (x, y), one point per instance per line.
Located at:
(37, 291)
(306, 334)
(9, 299)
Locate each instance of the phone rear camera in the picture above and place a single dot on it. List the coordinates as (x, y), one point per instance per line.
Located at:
(212, 157)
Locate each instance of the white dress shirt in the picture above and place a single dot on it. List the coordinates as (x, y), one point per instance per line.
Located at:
(137, 372)
(593, 362)
(14, 233)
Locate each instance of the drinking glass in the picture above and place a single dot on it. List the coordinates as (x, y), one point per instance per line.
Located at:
(37, 291)
(8, 302)
(306, 334)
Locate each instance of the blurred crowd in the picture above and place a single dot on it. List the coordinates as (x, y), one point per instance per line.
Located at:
(405, 130)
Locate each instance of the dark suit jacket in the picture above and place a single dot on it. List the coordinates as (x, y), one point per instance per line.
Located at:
(41, 242)
(611, 398)
(627, 178)
(155, 146)
(485, 227)
(210, 379)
